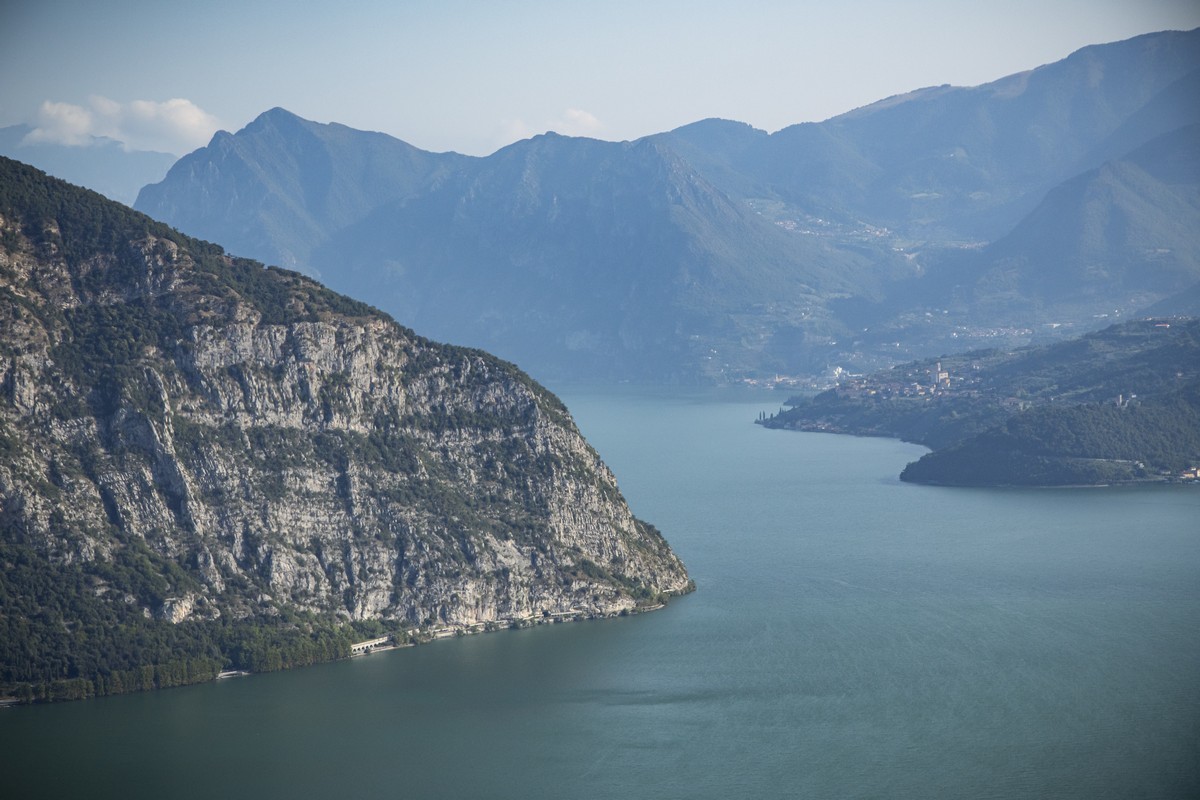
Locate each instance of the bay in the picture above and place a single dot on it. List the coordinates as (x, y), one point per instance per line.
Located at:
(851, 636)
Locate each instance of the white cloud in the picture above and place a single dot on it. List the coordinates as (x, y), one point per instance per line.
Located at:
(572, 122)
(512, 130)
(62, 123)
(576, 122)
(175, 126)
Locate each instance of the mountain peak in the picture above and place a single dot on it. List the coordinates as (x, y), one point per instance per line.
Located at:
(277, 117)
(717, 124)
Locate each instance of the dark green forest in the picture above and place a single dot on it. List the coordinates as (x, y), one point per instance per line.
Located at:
(1078, 445)
(68, 634)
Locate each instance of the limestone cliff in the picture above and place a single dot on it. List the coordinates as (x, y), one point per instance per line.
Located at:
(272, 447)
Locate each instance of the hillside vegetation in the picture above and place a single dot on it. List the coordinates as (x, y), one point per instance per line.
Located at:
(206, 464)
(1116, 405)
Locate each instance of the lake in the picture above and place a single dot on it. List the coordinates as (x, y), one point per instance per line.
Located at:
(851, 636)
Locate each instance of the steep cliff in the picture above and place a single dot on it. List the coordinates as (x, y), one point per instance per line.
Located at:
(205, 440)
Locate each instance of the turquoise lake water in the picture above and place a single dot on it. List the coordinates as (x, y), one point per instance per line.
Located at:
(851, 636)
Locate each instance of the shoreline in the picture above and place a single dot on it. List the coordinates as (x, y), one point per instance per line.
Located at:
(416, 637)
(433, 634)
(1162, 480)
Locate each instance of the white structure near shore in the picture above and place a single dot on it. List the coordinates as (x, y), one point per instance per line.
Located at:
(358, 648)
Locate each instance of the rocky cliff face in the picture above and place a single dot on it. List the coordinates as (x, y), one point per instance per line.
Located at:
(271, 447)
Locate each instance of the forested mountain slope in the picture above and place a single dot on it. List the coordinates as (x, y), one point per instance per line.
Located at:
(1119, 404)
(209, 464)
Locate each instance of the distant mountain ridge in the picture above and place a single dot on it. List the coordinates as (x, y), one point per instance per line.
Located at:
(285, 184)
(972, 159)
(1124, 233)
(617, 257)
(717, 252)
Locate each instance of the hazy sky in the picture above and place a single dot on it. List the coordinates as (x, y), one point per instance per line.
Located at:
(474, 76)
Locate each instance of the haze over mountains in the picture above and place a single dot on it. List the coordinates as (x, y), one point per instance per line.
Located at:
(104, 165)
(1053, 200)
